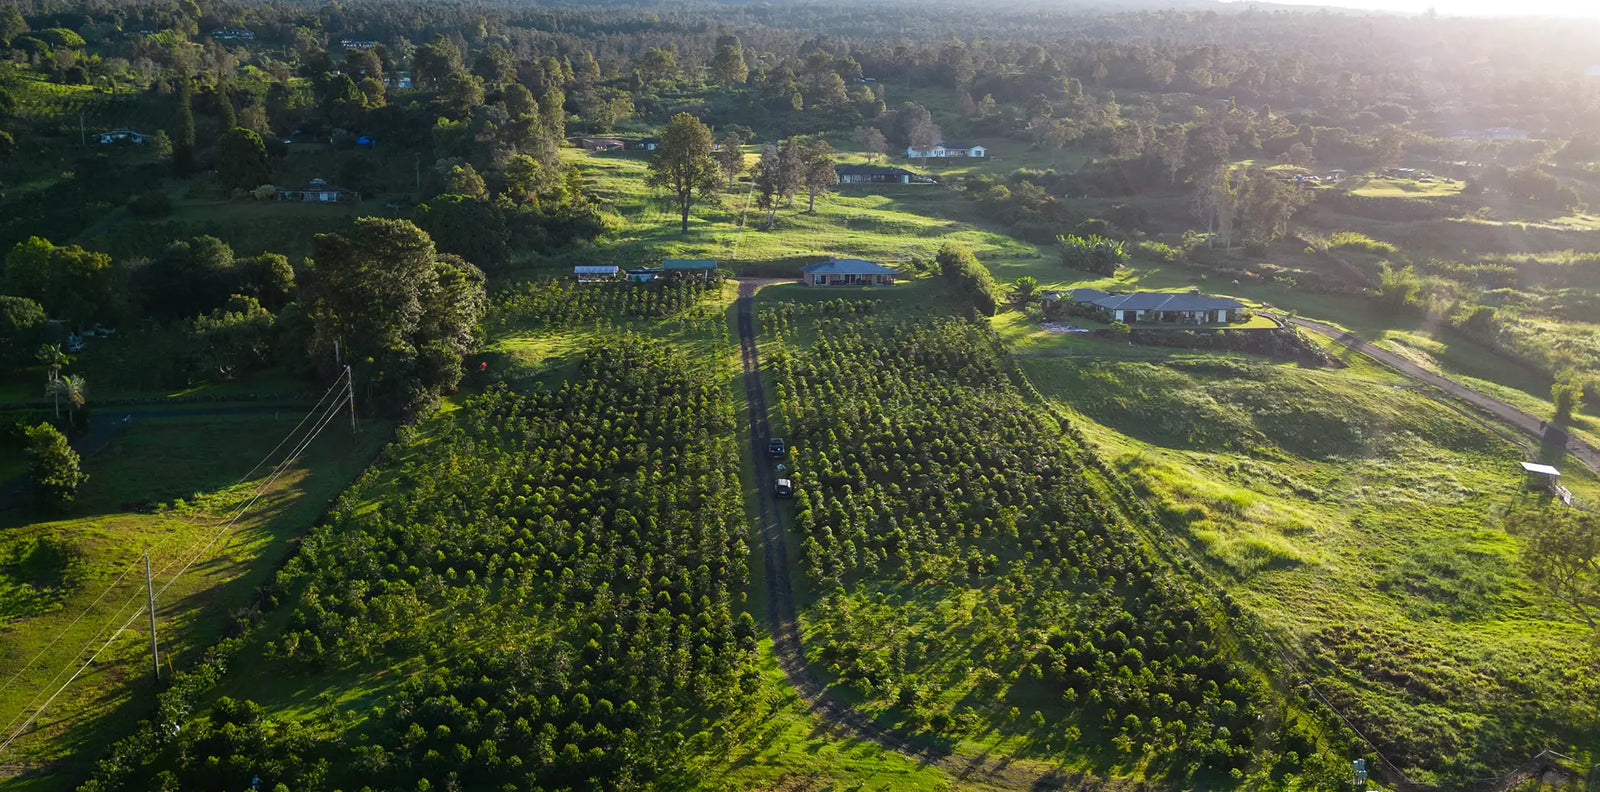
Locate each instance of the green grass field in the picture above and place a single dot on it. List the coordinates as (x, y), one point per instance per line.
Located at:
(888, 223)
(1361, 519)
(166, 486)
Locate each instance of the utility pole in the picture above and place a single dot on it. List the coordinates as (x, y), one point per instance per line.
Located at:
(350, 394)
(150, 604)
(83, 136)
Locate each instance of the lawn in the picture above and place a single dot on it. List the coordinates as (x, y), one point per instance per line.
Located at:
(166, 486)
(890, 223)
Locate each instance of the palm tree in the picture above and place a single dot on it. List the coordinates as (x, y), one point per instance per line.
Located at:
(53, 359)
(74, 388)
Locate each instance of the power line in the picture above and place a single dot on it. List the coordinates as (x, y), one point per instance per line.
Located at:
(135, 562)
(261, 490)
(320, 424)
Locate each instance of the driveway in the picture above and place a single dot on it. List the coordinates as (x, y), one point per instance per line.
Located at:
(1548, 434)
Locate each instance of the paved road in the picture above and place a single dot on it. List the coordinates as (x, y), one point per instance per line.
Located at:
(785, 625)
(1549, 435)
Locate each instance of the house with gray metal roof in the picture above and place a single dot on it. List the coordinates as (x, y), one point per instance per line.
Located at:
(847, 272)
(1178, 307)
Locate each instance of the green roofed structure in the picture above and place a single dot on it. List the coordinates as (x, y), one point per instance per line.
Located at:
(702, 269)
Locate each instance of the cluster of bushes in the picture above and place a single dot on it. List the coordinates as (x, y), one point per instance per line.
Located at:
(959, 267)
(1093, 253)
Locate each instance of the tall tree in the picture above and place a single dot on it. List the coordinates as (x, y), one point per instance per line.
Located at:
(183, 130)
(242, 160)
(53, 467)
(683, 165)
(1562, 551)
(791, 169)
(12, 24)
(22, 325)
(71, 283)
(401, 312)
(730, 156)
(816, 171)
(871, 140)
(727, 62)
(767, 183)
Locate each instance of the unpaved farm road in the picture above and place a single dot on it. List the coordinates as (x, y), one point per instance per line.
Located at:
(1525, 422)
(981, 771)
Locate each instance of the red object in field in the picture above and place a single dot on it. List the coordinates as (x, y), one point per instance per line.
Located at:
(484, 366)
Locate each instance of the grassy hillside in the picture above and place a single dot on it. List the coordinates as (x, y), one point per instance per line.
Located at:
(1363, 521)
(167, 487)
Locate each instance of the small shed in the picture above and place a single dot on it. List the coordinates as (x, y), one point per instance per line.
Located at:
(699, 269)
(596, 273)
(1540, 476)
(644, 274)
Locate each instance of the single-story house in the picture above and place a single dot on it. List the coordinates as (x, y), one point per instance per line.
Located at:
(317, 191)
(648, 144)
(700, 269)
(601, 144)
(597, 273)
(847, 272)
(123, 135)
(233, 34)
(872, 174)
(357, 44)
(645, 274)
(947, 150)
(1180, 307)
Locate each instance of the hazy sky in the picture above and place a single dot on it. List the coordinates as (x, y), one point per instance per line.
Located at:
(1586, 8)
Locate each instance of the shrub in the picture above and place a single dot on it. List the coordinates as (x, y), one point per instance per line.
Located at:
(1564, 394)
(962, 269)
(150, 205)
(1093, 253)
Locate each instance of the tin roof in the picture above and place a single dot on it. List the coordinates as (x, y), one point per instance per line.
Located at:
(595, 269)
(847, 266)
(1165, 301)
(1543, 470)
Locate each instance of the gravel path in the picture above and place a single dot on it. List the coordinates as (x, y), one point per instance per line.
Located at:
(1549, 435)
(997, 772)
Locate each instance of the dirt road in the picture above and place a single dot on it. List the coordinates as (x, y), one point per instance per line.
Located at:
(1549, 435)
(981, 771)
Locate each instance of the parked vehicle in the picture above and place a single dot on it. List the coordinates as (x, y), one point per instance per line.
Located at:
(783, 489)
(777, 449)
